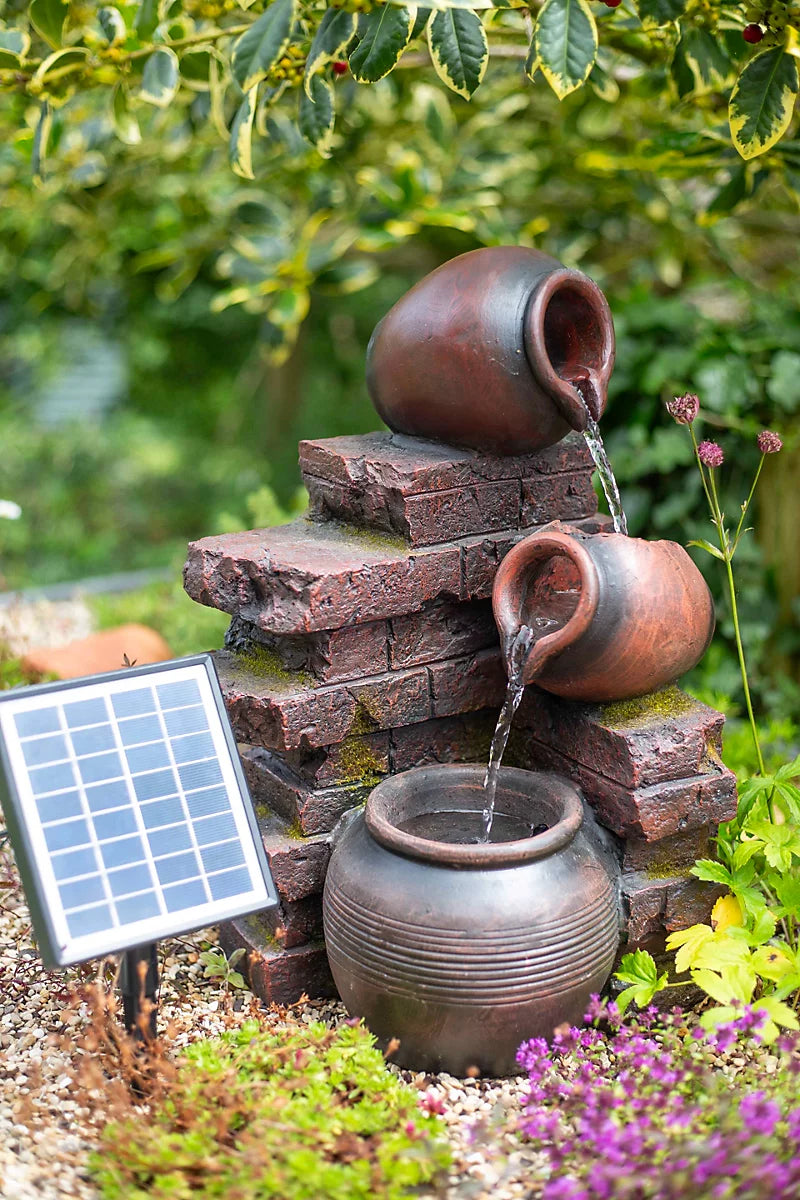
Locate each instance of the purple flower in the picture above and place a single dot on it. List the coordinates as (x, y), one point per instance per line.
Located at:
(710, 454)
(684, 409)
(769, 442)
(759, 1114)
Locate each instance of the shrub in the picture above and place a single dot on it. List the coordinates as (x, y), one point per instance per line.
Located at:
(303, 1113)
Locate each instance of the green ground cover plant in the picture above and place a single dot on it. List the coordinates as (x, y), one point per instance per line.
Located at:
(294, 1114)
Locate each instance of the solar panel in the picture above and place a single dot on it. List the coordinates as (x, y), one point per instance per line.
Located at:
(127, 809)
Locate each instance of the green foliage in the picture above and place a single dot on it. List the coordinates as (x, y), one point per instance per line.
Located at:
(218, 965)
(292, 1115)
(188, 628)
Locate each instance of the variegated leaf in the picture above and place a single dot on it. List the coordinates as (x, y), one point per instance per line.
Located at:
(441, 5)
(566, 44)
(126, 126)
(700, 63)
(336, 31)
(240, 146)
(762, 102)
(41, 138)
(257, 50)
(47, 17)
(160, 78)
(660, 12)
(384, 33)
(531, 61)
(15, 41)
(317, 115)
(459, 49)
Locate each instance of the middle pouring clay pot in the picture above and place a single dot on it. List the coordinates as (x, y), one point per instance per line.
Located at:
(463, 949)
(614, 616)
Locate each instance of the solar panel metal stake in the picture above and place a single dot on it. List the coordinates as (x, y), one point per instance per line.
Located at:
(128, 812)
(138, 982)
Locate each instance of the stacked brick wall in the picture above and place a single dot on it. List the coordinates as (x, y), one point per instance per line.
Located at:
(362, 643)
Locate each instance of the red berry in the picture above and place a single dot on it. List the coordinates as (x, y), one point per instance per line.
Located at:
(340, 68)
(612, 3)
(752, 33)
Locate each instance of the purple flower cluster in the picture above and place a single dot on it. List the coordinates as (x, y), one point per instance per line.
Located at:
(769, 442)
(644, 1109)
(684, 409)
(710, 454)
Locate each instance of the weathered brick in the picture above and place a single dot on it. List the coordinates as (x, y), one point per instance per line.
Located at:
(268, 710)
(652, 906)
(330, 656)
(412, 466)
(463, 685)
(441, 631)
(463, 738)
(650, 813)
(671, 855)
(305, 577)
(639, 742)
(277, 975)
(295, 922)
(557, 498)
(312, 810)
(298, 864)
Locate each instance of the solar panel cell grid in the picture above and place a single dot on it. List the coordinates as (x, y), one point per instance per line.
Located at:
(138, 813)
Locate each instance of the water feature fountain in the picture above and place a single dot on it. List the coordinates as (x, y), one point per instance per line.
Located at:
(363, 642)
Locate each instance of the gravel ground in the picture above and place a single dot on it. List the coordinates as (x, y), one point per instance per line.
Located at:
(46, 1134)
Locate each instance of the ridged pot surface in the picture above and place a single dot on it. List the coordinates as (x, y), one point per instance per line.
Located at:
(462, 952)
(483, 352)
(629, 616)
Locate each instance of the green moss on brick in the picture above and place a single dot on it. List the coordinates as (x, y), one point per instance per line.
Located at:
(266, 664)
(358, 763)
(658, 706)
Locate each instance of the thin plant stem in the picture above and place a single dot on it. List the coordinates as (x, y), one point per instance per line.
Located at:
(745, 507)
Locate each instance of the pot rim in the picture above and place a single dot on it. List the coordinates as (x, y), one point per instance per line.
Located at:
(509, 586)
(481, 855)
(563, 394)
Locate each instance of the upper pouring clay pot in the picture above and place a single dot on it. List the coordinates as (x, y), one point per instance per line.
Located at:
(485, 350)
(617, 616)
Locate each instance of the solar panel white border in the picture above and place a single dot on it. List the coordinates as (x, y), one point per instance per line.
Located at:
(26, 828)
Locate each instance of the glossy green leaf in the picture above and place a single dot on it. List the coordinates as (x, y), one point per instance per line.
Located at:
(112, 24)
(707, 546)
(335, 33)
(660, 12)
(240, 152)
(459, 50)
(160, 78)
(61, 62)
(125, 123)
(443, 5)
(47, 18)
(603, 84)
(146, 19)
(16, 41)
(345, 278)
(257, 51)
(531, 60)
(317, 115)
(762, 102)
(384, 34)
(421, 22)
(566, 44)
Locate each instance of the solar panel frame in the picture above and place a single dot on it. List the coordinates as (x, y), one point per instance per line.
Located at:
(26, 829)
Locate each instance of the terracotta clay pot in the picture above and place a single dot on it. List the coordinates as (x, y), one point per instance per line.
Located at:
(464, 950)
(484, 351)
(619, 616)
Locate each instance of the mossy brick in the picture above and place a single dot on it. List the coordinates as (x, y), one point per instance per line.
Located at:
(298, 862)
(464, 685)
(413, 466)
(645, 813)
(362, 759)
(441, 631)
(672, 855)
(295, 922)
(654, 906)
(329, 656)
(310, 811)
(266, 711)
(278, 975)
(667, 735)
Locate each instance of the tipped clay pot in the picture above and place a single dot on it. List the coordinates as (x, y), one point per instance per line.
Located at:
(484, 351)
(619, 616)
(464, 950)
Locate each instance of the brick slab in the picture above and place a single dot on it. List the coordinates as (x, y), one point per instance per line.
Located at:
(295, 922)
(298, 863)
(276, 974)
(653, 906)
(330, 656)
(441, 631)
(312, 811)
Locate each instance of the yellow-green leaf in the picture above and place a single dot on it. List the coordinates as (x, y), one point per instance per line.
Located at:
(47, 17)
(15, 42)
(688, 943)
(160, 78)
(41, 138)
(762, 101)
(459, 49)
(240, 152)
(565, 39)
(727, 911)
(125, 124)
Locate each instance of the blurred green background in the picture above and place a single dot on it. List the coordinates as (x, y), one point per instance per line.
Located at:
(168, 331)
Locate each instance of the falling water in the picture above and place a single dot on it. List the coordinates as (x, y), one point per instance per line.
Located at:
(586, 390)
(517, 654)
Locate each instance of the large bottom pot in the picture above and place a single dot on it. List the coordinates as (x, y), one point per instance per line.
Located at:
(463, 949)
